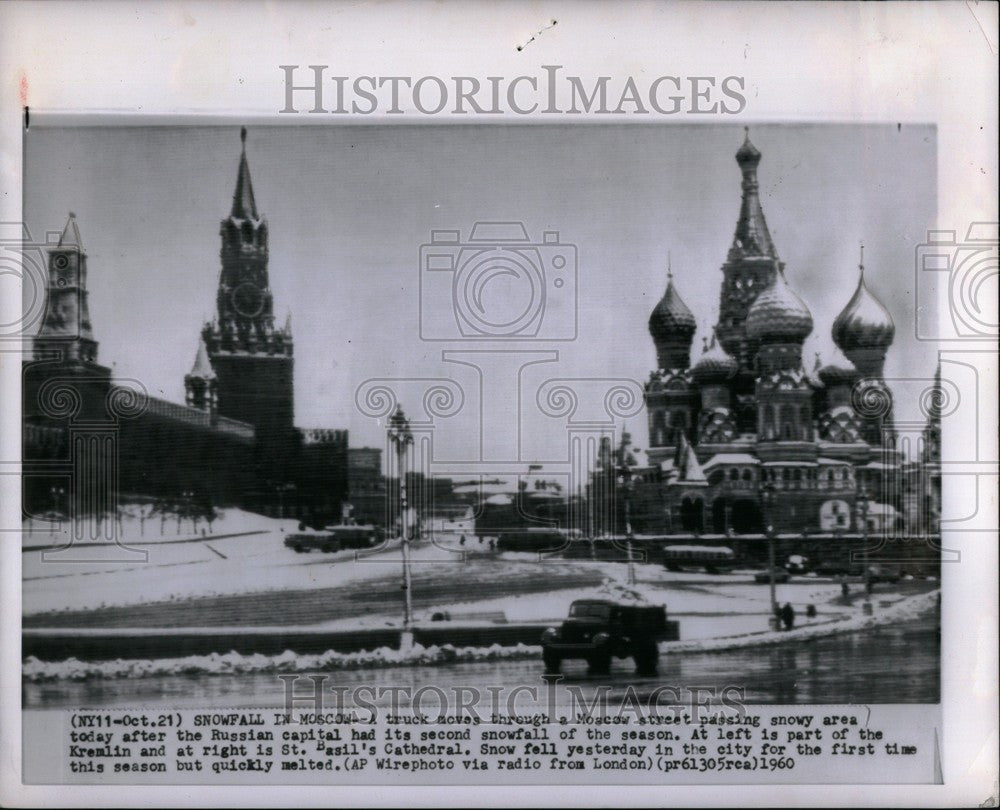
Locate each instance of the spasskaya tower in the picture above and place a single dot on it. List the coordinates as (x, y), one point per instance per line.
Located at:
(252, 360)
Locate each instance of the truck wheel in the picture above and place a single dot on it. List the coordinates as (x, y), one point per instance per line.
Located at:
(599, 663)
(646, 658)
(551, 661)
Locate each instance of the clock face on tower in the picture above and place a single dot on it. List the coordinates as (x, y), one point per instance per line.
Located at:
(248, 300)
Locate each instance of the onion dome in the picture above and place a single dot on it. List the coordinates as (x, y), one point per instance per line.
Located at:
(671, 319)
(864, 322)
(747, 153)
(837, 370)
(778, 314)
(714, 366)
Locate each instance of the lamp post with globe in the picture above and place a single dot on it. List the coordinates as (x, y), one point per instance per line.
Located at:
(401, 437)
(767, 498)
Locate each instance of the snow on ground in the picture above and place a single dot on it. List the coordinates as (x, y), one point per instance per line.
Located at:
(214, 565)
(233, 663)
(253, 559)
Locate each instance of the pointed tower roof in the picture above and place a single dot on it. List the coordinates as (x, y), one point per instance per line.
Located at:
(686, 463)
(71, 234)
(752, 237)
(202, 368)
(864, 323)
(244, 205)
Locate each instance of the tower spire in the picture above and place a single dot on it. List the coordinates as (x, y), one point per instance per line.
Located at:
(244, 205)
(71, 234)
(752, 237)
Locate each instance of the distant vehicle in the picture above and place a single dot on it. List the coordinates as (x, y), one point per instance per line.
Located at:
(535, 539)
(780, 576)
(797, 564)
(711, 559)
(883, 573)
(356, 535)
(335, 538)
(303, 541)
(598, 630)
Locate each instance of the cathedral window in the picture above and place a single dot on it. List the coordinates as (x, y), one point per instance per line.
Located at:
(734, 474)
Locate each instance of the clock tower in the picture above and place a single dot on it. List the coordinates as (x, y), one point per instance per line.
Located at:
(251, 359)
(66, 331)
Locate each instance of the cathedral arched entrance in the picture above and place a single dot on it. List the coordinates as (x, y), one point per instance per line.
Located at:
(720, 520)
(692, 515)
(745, 517)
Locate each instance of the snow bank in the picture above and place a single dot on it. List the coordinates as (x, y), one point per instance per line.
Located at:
(907, 608)
(232, 663)
(35, 671)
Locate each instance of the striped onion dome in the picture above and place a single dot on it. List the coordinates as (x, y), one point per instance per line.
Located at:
(779, 314)
(714, 365)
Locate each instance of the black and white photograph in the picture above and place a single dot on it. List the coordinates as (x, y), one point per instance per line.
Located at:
(566, 451)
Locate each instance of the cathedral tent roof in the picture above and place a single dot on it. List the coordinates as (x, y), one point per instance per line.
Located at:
(752, 237)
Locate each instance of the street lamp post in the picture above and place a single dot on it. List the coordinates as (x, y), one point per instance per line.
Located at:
(863, 514)
(402, 438)
(624, 477)
(767, 496)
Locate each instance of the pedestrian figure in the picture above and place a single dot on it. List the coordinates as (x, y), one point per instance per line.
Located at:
(788, 615)
(461, 540)
(845, 589)
(811, 611)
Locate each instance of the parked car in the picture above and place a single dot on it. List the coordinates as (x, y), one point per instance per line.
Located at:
(598, 630)
(763, 577)
(304, 541)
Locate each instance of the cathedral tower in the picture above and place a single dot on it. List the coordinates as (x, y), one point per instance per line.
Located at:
(252, 361)
(671, 402)
(750, 267)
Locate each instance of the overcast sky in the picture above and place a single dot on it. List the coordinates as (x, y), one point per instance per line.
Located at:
(348, 208)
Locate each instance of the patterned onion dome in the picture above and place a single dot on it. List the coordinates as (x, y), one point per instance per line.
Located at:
(778, 313)
(837, 370)
(714, 365)
(864, 323)
(671, 319)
